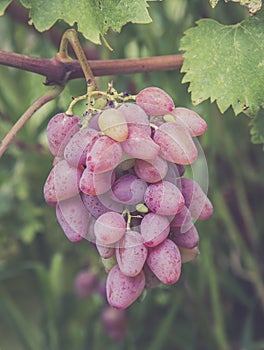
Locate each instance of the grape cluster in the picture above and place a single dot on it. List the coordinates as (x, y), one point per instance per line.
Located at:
(118, 182)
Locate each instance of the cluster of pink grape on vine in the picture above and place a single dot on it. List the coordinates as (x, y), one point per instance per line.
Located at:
(118, 181)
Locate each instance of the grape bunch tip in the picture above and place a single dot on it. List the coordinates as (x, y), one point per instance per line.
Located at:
(118, 181)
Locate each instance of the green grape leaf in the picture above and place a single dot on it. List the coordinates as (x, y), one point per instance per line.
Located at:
(3, 6)
(257, 128)
(93, 17)
(252, 5)
(226, 64)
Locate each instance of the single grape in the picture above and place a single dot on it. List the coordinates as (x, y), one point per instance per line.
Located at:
(93, 205)
(176, 144)
(129, 189)
(175, 171)
(76, 149)
(85, 283)
(188, 255)
(136, 117)
(196, 200)
(140, 145)
(114, 322)
(190, 119)
(152, 170)
(103, 154)
(183, 219)
(165, 261)
(96, 184)
(131, 253)
(164, 198)
(109, 228)
(60, 129)
(73, 218)
(186, 239)
(105, 251)
(113, 124)
(154, 229)
(62, 183)
(122, 290)
(155, 101)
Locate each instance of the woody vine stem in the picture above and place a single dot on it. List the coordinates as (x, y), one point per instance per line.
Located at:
(62, 68)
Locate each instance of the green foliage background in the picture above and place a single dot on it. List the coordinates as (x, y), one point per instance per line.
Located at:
(219, 300)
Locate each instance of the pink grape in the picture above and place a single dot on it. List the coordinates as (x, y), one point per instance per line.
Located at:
(182, 219)
(186, 239)
(196, 200)
(122, 290)
(109, 228)
(103, 154)
(155, 101)
(175, 171)
(85, 283)
(76, 149)
(62, 183)
(154, 229)
(93, 205)
(165, 261)
(73, 218)
(190, 119)
(105, 251)
(176, 144)
(128, 189)
(96, 184)
(60, 129)
(136, 117)
(140, 145)
(131, 253)
(164, 198)
(152, 170)
(114, 322)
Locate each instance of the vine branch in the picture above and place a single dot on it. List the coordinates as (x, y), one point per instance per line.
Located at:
(37, 104)
(55, 70)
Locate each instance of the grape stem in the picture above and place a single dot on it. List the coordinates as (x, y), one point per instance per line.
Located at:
(37, 104)
(111, 95)
(71, 36)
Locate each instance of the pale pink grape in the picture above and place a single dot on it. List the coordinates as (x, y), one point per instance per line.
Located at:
(155, 101)
(190, 119)
(185, 238)
(73, 218)
(140, 145)
(113, 124)
(176, 144)
(131, 253)
(164, 198)
(103, 154)
(165, 261)
(196, 200)
(154, 229)
(109, 228)
(76, 149)
(96, 184)
(60, 129)
(152, 170)
(122, 290)
(62, 183)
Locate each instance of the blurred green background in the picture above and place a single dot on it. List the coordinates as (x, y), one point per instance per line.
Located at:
(218, 302)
